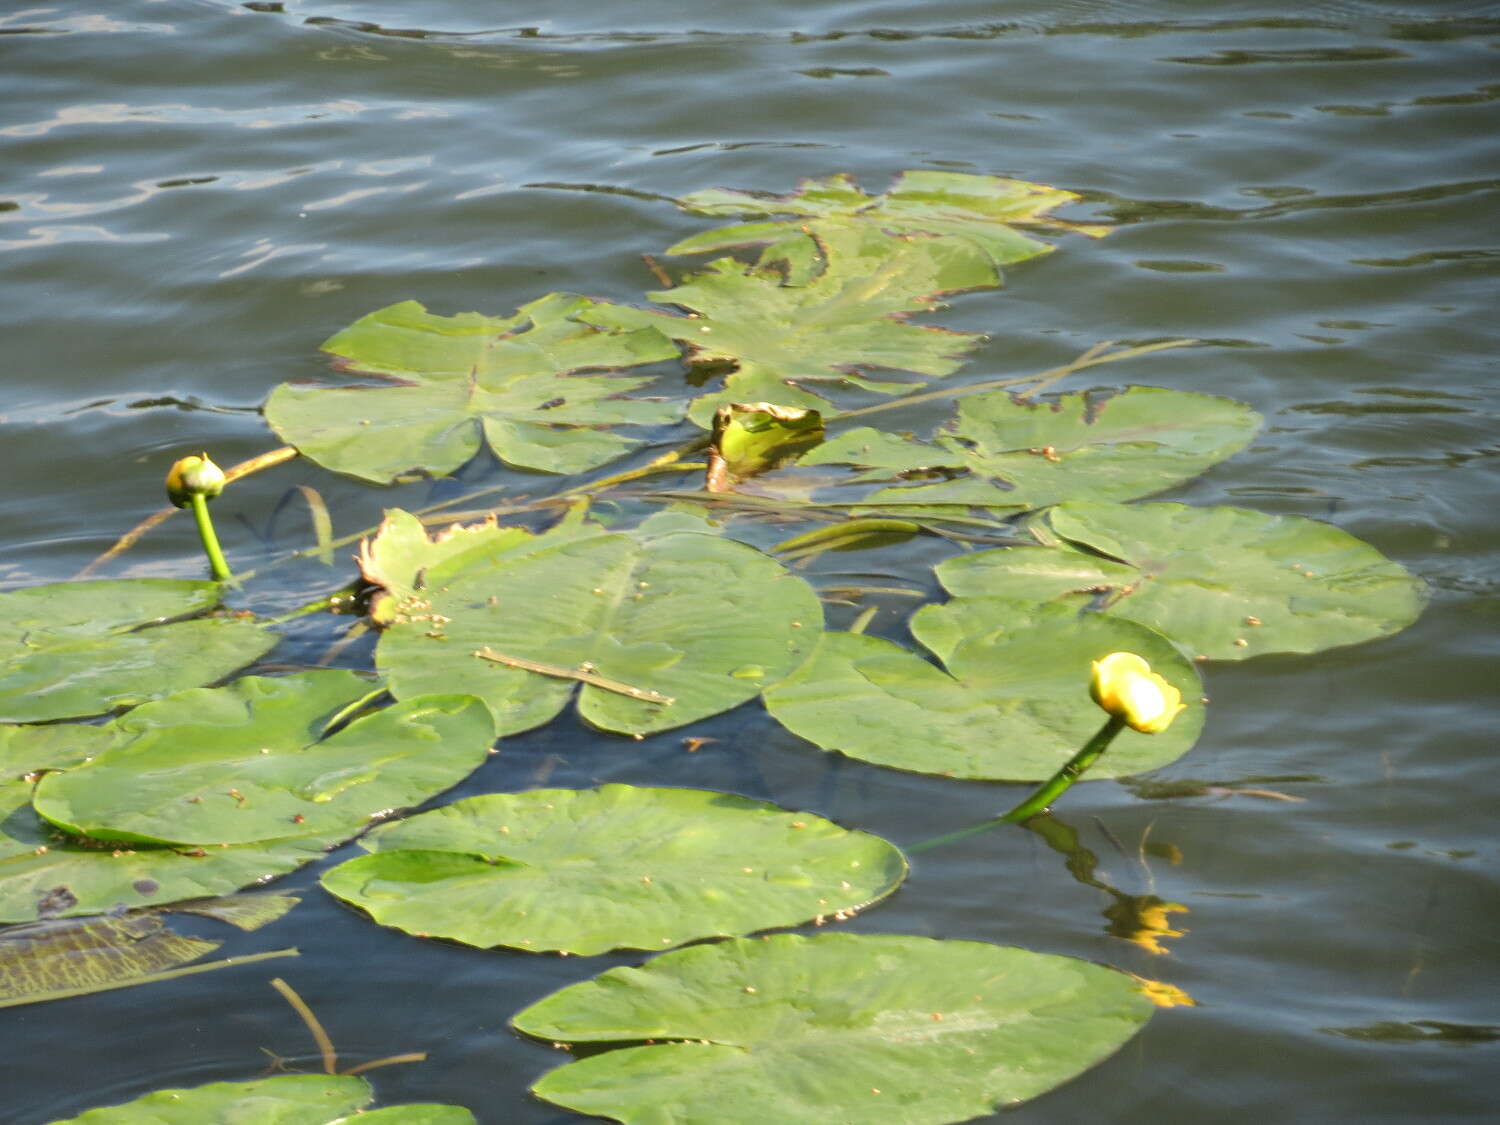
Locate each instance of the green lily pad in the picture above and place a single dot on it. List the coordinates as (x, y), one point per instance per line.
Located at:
(83, 648)
(467, 382)
(291, 1099)
(840, 1027)
(1013, 703)
(1000, 451)
(1227, 583)
(618, 867)
(975, 215)
(660, 629)
(779, 337)
(254, 761)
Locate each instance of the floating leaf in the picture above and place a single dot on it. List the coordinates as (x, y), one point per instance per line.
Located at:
(976, 215)
(1013, 704)
(661, 629)
(44, 872)
(779, 337)
(253, 762)
(83, 648)
(463, 383)
(247, 912)
(1001, 451)
(291, 1099)
(750, 438)
(59, 958)
(587, 871)
(840, 1027)
(1226, 582)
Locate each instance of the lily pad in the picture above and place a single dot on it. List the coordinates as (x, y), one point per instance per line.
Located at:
(83, 648)
(467, 382)
(1000, 451)
(62, 957)
(976, 215)
(779, 337)
(291, 1099)
(840, 1027)
(660, 629)
(46, 872)
(1228, 583)
(254, 761)
(618, 867)
(1013, 703)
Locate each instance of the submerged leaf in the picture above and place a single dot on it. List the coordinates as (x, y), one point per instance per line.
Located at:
(619, 867)
(840, 1027)
(779, 336)
(1012, 705)
(289, 1099)
(58, 958)
(1228, 583)
(1000, 451)
(660, 629)
(971, 214)
(466, 382)
(83, 648)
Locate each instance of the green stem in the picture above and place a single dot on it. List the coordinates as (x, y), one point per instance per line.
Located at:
(1045, 794)
(216, 561)
(1063, 779)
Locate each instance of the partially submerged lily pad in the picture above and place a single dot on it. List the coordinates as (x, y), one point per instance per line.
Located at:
(1001, 451)
(63, 957)
(1012, 705)
(618, 867)
(462, 383)
(289, 1099)
(1228, 583)
(84, 648)
(659, 629)
(780, 337)
(840, 1027)
(971, 214)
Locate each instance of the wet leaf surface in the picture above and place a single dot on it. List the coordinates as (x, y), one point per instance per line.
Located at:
(459, 384)
(1000, 451)
(841, 1027)
(591, 870)
(975, 216)
(1228, 583)
(84, 648)
(637, 618)
(1011, 705)
(778, 337)
(291, 1099)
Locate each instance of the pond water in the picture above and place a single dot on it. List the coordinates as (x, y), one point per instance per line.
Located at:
(196, 193)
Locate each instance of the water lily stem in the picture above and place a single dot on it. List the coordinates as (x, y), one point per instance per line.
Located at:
(1060, 782)
(1045, 793)
(205, 523)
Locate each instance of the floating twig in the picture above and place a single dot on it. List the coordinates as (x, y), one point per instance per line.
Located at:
(582, 675)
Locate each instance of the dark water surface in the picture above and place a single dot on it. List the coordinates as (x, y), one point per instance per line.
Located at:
(194, 194)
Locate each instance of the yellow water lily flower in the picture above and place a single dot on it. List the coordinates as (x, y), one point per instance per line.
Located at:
(194, 476)
(1124, 685)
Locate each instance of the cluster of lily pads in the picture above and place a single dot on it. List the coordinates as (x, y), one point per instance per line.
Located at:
(500, 624)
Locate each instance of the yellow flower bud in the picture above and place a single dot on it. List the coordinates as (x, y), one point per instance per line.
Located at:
(1124, 685)
(194, 476)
